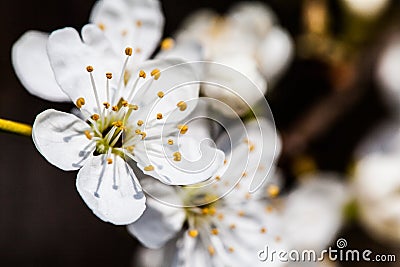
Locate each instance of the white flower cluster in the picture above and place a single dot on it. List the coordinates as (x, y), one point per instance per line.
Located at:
(135, 120)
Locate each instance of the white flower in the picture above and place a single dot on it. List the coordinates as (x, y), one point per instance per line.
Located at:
(137, 24)
(366, 8)
(387, 72)
(313, 212)
(249, 40)
(376, 187)
(125, 116)
(218, 223)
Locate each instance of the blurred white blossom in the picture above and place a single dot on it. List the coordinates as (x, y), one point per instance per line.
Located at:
(247, 39)
(313, 212)
(366, 8)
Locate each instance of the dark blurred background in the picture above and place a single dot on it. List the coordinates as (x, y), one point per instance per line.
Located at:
(44, 222)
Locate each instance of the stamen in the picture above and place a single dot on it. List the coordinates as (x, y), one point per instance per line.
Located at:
(160, 94)
(117, 124)
(142, 74)
(273, 191)
(155, 74)
(140, 122)
(109, 77)
(177, 156)
(128, 51)
(101, 26)
(214, 231)
(88, 135)
(115, 108)
(220, 216)
(130, 148)
(232, 226)
(95, 117)
(143, 134)
(231, 249)
(241, 213)
(193, 233)
(167, 43)
(139, 23)
(80, 102)
(138, 50)
(263, 230)
(106, 105)
(124, 103)
(218, 178)
(109, 161)
(149, 168)
(212, 211)
(96, 95)
(183, 128)
(170, 142)
(182, 105)
(211, 250)
(134, 107)
(159, 116)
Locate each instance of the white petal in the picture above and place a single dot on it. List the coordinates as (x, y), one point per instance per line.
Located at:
(192, 253)
(235, 81)
(275, 53)
(199, 161)
(32, 66)
(60, 138)
(120, 20)
(315, 207)
(111, 191)
(69, 57)
(186, 50)
(178, 81)
(161, 221)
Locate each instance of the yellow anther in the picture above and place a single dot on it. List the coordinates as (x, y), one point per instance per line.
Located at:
(251, 147)
(273, 190)
(278, 239)
(109, 75)
(138, 131)
(181, 105)
(106, 105)
(177, 156)
(241, 213)
(117, 124)
(143, 134)
(183, 128)
(140, 122)
(212, 211)
(231, 249)
(214, 231)
(124, 103)
(95, 117)
(115, 108)
(269, 209)
(130, 148)
(244, 174)
(225, 161)
(134, 107)
(88, 135)
(193, 233)
(89, 68)
(128, 51)
(211, 250)
(80, 102)
(124, 32)
(218, 178)
(170, 142)
(159, 116)
(263, 230)
(142, 74)
(149, 168)
(232, 226)
(167, 43)
(101, 26)
(109, 161)
(221, 217)
(247, 196)
(205, 211)
(155, 74)
(160, 94)
(139, 23)
(138, 50)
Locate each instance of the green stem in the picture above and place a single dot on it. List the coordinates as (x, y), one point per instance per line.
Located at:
(15, 127)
